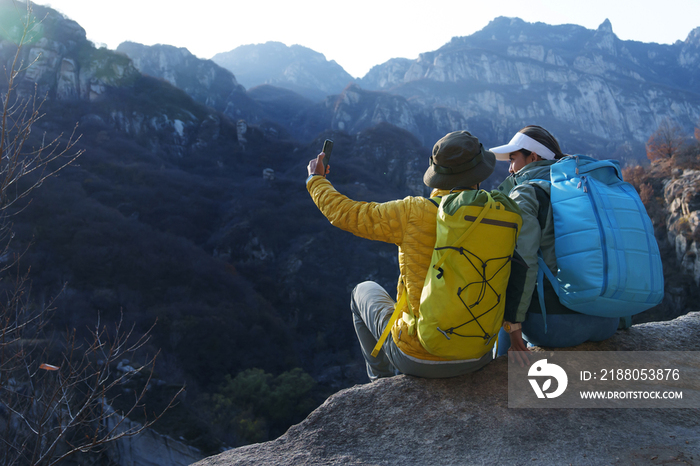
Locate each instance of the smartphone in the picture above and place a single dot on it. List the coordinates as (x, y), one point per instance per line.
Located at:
(327, 149)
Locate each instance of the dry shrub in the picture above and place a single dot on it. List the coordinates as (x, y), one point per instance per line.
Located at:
(646, 193)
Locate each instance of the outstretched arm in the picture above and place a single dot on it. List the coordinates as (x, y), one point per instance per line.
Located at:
(371, 220)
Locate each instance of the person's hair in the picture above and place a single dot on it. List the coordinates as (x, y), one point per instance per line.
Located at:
(545, 138)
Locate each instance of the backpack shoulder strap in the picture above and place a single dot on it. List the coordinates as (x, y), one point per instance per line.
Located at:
(435, 200)
(544, 203)
(398, 307)
(489, 205)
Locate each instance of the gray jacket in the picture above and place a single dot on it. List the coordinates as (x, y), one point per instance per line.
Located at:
(537, 233)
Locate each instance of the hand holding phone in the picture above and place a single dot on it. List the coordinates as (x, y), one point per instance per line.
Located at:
(327, 150)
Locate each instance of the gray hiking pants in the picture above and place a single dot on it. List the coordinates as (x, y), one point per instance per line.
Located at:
(371, 310)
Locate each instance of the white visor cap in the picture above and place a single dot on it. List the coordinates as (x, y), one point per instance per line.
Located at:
(522, 141)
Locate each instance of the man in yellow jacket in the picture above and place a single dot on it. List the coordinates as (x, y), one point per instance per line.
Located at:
(458, 162)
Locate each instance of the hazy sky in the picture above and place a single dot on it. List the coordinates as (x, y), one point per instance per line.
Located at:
(358, 34)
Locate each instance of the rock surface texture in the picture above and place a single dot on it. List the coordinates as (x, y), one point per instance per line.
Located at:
(682, 196)
(466, 420)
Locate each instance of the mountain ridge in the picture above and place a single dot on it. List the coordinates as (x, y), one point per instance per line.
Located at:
(598, 94)
(296, 68)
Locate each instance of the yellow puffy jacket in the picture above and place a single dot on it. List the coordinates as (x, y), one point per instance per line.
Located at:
(408, 223)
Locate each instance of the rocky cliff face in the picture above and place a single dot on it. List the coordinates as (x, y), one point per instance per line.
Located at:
(356, 110)
(466, 420)
(682, 196)
(296, 68)
(102, 90)
(203, 80)
(64, 65)
(690, 52)
(594, 90)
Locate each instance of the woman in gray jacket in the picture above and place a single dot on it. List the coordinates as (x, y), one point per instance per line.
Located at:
(531, 153)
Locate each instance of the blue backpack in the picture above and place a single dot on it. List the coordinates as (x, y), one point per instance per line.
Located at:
(608, 258)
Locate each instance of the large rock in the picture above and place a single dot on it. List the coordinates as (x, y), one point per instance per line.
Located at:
(466, 420)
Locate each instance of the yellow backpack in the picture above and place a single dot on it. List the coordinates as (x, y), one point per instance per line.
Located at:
(463, 298)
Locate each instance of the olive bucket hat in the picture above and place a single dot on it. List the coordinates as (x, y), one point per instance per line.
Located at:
(458, 161)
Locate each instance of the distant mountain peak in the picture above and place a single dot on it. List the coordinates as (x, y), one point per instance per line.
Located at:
(605, 39)
(504, 21)
(605, 26)
(137, 45)
(693, 37)
(296, 68)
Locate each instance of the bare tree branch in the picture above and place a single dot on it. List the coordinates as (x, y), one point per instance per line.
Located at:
(55, 394)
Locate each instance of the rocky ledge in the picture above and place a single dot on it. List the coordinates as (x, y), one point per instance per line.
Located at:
(466, 420)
